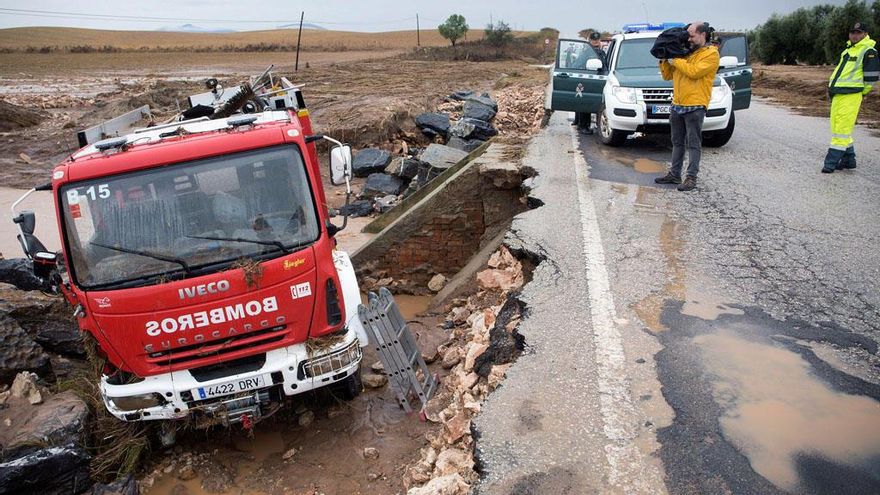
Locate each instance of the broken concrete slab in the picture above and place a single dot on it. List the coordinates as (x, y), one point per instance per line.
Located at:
(475, 109)
(504, 175)
(20, 273)
(123, 486)
(379, 184)
(466, 145)
(46, 318)
(48, 471)
(436, 122)
(368, 161)
(467, 128)
(484, 99)
(18, 352)
(359, 208)
(59, 420)
(441, 157)
(460, 95)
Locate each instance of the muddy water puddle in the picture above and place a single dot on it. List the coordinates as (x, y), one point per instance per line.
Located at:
(776, 410)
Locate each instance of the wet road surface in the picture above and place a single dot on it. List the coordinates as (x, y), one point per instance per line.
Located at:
(748, 313)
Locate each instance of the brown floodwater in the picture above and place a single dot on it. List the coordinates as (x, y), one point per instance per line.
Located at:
(775, 409)
(648, 166)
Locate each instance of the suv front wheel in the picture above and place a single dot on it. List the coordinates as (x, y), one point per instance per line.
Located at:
(609, 136)
(717, 139)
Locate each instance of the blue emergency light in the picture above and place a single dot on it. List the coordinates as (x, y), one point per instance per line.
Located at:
(638, 27)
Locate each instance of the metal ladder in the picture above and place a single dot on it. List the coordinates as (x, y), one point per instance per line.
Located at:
(397, 349)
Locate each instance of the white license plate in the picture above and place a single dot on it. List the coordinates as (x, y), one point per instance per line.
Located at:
(231, 387)
(662, 109)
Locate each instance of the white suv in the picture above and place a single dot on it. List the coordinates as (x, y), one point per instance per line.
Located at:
(629, 94)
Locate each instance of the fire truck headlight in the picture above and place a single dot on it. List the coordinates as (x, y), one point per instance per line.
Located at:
(137, 402)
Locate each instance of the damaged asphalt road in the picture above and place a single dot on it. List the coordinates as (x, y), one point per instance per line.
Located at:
(722, 341)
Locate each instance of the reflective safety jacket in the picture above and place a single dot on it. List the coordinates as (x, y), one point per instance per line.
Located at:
(858, 70)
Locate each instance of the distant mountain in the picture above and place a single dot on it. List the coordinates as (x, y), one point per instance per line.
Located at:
(306, 25)
(190, 28)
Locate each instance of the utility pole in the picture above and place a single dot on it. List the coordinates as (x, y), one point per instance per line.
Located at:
(418, 34)
(298, 39)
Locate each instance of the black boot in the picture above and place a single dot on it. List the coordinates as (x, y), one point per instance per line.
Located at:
(849, 159)
(832, 159)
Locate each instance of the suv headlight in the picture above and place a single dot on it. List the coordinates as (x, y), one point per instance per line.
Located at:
(718, 93)
(137, 402)
(624, 94)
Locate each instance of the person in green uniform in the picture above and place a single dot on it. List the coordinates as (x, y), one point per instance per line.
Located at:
(854, 77)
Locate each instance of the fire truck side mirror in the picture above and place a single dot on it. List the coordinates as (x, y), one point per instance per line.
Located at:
(27, 221)
(340, 164)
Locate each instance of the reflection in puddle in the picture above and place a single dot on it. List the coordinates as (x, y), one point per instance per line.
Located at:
(708, 309)
(775, 410)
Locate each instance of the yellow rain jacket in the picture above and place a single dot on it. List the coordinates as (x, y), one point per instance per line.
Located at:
(692, 77)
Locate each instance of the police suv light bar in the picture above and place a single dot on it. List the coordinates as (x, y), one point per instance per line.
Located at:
(638, 27)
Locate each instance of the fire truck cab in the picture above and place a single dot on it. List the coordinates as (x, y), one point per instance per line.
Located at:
(200, 257)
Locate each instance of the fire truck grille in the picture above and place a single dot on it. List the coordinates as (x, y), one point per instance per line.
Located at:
(332, 362)
(219, 347)
(657, 96)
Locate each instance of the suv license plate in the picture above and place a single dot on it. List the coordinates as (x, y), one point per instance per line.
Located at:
(231, 387)
(658, 109)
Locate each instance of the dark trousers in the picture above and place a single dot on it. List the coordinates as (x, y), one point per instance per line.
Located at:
(687, 132)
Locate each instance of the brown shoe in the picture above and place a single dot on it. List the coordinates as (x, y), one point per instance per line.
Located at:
(668, 179)
(690, 183)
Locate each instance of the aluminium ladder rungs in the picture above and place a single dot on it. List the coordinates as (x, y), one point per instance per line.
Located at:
(397, 349)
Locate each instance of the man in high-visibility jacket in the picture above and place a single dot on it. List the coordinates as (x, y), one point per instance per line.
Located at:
(854, 77)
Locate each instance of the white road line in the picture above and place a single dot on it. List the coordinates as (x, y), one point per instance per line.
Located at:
(628, 470)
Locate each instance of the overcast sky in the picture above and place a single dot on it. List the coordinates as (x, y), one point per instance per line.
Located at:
(386, 15)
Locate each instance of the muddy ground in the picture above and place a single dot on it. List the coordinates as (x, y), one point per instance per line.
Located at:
(804, 89)
(363, 102)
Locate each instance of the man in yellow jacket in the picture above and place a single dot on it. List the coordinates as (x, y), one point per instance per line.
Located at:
(853, 78)
(692, 79)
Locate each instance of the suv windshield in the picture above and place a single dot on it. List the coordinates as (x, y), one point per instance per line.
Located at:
(636, 54)
(134, 228)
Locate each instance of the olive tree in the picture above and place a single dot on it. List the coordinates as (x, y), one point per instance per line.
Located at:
(454, 28)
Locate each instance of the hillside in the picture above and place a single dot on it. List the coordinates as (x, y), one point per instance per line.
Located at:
(35, 38)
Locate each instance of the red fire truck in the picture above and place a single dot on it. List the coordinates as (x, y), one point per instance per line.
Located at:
(200, 255)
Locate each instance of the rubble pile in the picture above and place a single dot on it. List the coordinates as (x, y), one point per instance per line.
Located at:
(480, 325)
(43, 436)
(521, 111)
(459, 126)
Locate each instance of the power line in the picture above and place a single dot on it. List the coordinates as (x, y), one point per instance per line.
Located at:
(82, 15)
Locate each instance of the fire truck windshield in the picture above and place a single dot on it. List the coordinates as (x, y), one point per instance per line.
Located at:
(186, 218)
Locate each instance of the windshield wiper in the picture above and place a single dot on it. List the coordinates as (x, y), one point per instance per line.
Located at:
(277, 244)
(147, 254)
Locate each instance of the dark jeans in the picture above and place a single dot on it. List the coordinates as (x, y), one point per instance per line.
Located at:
(687, 130)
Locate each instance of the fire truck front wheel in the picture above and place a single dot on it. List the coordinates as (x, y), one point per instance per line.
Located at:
(351, 387)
